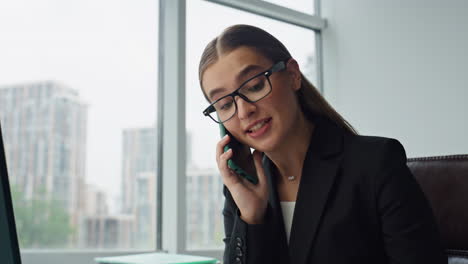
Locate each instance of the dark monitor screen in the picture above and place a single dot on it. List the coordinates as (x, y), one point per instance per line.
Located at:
(9, 249)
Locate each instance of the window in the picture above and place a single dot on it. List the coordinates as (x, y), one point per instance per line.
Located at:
(78, 94)
(204, 186)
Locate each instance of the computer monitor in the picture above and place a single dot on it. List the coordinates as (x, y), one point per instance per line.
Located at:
(9, 248)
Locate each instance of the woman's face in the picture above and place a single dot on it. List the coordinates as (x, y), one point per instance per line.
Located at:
(265, 124)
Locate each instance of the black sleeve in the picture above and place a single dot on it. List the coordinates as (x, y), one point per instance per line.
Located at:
(410, 233)
(244, 243)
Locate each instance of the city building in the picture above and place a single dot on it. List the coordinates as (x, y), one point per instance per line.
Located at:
(95, 202)
(138, 156)
(139, 183)
(204, 209)
(108, 232)
(44, 128)
(145, 210)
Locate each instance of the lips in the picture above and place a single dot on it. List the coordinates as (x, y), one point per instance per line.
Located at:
(255, 126)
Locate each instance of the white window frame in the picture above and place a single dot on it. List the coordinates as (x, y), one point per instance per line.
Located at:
(171, 213)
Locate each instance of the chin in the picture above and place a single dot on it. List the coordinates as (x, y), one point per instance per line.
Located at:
(267, 145)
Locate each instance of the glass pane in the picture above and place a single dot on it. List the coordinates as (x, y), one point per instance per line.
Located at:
(305, 6)
(204, 185)
(78, 110)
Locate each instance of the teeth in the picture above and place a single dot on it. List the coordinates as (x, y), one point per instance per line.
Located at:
(257, 126)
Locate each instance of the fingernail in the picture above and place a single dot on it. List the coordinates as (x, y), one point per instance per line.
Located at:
(225, 136)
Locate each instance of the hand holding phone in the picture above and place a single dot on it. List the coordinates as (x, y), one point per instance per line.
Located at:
(242, 161)
(243, 175)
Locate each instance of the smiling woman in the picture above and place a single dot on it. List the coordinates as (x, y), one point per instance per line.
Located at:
(350, 194)
(229, 62)
(204, 185)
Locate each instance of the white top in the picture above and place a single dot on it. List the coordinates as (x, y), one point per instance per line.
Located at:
(288, 212)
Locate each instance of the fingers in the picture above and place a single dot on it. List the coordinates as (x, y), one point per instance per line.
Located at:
(220, 146)
(223, 159)
(228, 176)
(262, 179)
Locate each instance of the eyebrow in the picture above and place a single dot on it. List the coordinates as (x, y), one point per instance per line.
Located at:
(247, 69)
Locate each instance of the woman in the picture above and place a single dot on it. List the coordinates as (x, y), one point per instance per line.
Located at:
(324, 193)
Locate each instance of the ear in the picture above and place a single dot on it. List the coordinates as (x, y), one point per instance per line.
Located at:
(292, 68)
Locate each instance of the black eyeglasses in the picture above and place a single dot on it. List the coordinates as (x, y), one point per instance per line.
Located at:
(253, 90)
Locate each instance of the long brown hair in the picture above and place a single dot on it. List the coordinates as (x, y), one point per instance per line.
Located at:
(310, 100)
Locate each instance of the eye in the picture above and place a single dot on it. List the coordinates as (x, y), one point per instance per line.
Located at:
(257, 87)
(226, 106)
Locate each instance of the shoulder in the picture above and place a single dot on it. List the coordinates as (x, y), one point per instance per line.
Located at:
(371, 155)
(373, 147)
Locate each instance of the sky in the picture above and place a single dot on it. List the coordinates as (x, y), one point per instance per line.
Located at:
(108, 51)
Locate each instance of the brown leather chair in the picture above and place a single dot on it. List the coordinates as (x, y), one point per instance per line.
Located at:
(444, 180)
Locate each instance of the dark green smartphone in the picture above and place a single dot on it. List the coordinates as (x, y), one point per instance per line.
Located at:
(242, 160)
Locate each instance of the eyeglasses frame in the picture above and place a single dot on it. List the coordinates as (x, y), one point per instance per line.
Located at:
(278, 66)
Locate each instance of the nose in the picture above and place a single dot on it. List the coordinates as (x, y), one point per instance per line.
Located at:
(244, 108)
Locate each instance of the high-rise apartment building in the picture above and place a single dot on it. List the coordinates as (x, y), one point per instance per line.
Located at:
(138, 156)
(44, 127)
(139, 183)
(145, 210)
(108, 231)
(204, 209)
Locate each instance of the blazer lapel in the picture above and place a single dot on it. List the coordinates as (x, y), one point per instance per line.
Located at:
(277, 222)
(319, 170)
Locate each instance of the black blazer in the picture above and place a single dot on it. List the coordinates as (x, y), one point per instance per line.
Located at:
(357, 203)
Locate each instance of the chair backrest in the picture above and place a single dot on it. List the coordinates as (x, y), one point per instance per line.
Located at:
(444, 180)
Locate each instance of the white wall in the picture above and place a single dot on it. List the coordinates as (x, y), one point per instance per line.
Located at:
(400, 69)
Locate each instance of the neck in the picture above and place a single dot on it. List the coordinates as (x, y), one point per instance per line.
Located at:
(289, 156)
